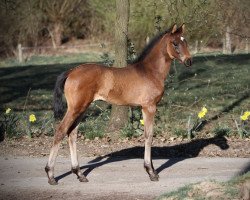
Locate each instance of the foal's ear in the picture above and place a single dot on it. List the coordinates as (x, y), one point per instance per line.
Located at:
(183, 28)
(174, 29)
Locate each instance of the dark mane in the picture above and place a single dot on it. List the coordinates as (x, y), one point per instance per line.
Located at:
(150, 45)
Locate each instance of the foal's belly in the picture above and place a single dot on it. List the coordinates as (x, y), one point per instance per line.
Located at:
(129, 97)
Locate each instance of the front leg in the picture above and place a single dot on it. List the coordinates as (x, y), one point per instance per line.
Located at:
(148, 117)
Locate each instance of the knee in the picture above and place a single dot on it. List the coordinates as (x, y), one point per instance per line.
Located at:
(58, 138)
(149, 138)
(72, 137)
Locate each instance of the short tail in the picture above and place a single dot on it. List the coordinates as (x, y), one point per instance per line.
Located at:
(58, 105)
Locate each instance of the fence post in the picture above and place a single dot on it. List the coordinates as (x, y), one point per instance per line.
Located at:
(196, 47)
(20, 53)
(228, 41)
(224, 46)
(247, 48)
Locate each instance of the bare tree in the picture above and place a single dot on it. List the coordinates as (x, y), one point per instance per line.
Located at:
(58, 14)
(149, 15)
(20, 23)
(232, 17)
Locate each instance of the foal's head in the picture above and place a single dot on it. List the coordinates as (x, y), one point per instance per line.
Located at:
(177, 47)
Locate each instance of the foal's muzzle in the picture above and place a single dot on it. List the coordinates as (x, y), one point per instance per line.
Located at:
(188, 62)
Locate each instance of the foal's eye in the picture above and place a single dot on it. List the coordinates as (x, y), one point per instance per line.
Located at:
(176, 47)
(175, 44)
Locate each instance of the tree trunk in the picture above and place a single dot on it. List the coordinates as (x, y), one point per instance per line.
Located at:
(119, 114)
(56, 35)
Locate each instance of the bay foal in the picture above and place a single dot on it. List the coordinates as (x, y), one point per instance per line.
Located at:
(139, 84)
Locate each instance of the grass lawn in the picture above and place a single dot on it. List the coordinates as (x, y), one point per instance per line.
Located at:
(50, 60)
(220, 83)
(237, 188)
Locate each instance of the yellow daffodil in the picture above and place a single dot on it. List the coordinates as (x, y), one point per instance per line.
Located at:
(245, 116)
(32, 118)
(202, 113)
(142, 122)
(7, 110)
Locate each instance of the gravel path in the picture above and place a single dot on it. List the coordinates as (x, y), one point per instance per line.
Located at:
(112, 178)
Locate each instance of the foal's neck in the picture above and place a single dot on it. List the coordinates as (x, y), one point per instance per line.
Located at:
(157, 63)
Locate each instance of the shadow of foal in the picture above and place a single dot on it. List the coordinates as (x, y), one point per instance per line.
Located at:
(174, 154)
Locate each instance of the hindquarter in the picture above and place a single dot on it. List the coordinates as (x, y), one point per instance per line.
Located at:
(82, 85)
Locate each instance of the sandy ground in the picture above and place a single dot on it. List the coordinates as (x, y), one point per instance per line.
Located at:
(174, 147)
(23, 177)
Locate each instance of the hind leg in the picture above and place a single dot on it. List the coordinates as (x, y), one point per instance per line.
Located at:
(63, 129)
(74, 159)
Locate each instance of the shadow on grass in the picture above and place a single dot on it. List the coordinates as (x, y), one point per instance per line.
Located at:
(174, 154)
(16, 81)
(226, 109)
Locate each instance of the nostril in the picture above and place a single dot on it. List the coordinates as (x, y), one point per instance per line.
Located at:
(188, 62)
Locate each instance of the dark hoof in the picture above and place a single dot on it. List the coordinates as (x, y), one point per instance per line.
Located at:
(52, 182)
(154, 177)
(83, 179)
(77, 171)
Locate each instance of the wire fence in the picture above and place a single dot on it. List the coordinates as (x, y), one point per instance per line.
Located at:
(25, 53)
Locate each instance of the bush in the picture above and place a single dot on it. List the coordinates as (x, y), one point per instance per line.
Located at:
(222, 130)
(8, 124)
(14, 124)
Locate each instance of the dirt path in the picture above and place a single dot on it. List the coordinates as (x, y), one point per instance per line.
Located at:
(120, 178)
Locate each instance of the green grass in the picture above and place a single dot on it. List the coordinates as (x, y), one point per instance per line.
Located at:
(49, 60)
(221, 83)
(182, 193)
(226, 190)
(222, 130)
